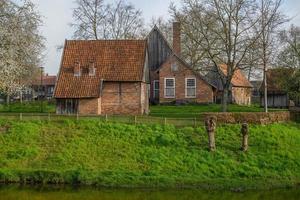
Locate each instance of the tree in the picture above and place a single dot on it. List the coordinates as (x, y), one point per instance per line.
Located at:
(225, 31)
(192, 52)
(289, 56)
(21, 45)
(292, 86)
(164, 26)
(96, 20)
(271, 18)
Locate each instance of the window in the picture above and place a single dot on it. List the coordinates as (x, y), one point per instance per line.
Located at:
(156, 89)
(169, 87)
(190, 88)
(50, 90)
(174, 67)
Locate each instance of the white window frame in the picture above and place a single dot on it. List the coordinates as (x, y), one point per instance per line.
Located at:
(165, 87)
(154, 90)
(186, 88)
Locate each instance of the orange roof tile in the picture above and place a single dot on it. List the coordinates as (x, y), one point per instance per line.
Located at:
(238, 79)
(114, 60)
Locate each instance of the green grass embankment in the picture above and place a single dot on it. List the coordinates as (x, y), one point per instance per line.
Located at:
(105, 154)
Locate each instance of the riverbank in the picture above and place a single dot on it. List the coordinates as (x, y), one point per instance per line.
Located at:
(71, 193)
(89, 152)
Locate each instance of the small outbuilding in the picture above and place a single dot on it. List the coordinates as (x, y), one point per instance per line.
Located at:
(240, 88)
(103, 77)
(277, 96)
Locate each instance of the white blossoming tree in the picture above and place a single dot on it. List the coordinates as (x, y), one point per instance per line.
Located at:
(20, 45)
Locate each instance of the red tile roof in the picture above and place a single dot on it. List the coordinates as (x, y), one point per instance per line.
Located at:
(114, 60)
(238, 79)
(47, 80)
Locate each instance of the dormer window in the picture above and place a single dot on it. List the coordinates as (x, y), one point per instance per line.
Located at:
(92, 69)
(77, 70)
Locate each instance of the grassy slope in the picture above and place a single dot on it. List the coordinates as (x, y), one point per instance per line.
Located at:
(189, 111)
(89, 152)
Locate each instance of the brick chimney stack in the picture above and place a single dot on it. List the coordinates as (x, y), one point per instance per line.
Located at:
(177, 38)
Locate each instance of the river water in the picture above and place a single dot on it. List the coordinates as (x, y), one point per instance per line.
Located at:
(38, 193)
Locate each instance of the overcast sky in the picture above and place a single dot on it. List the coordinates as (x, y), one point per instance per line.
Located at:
(57, 14)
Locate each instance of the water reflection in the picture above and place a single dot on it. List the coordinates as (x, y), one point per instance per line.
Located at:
(26, 193)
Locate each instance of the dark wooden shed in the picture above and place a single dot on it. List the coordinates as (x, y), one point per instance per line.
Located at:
(277, 96)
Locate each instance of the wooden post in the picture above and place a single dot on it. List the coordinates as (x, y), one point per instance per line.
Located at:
(245, 134)
(21, 116)
(195, 122)
(210, 124)
(48, 116)
(106, 117)
(135, 120)
(165, 121)
(77, 116)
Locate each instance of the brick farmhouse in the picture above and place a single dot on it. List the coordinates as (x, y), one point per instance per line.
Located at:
(173, 80)
(121, 76)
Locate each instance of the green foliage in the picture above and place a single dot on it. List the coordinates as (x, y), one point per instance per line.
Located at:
(111, 154)
(292, 85)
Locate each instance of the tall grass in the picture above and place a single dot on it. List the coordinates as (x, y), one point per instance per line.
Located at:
(110, 154)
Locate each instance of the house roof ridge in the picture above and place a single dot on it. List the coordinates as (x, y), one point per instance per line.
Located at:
(106, 40)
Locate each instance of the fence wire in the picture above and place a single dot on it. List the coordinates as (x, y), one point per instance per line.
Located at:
(178, 122)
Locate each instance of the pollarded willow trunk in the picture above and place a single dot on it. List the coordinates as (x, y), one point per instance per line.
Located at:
(211, 124)
(245, 134)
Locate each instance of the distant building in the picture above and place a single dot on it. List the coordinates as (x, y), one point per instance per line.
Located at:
(44, 89)
(38, 89)
(277, 96)
(240, 88)
(255, 97)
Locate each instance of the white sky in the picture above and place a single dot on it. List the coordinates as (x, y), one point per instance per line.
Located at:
(57, 14)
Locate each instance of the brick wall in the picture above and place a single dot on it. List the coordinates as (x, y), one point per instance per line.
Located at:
(241, 96)
(144, 98)
(204, 91)
(177, 38)
(91, 106)
(250, 117)
(124, 98)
